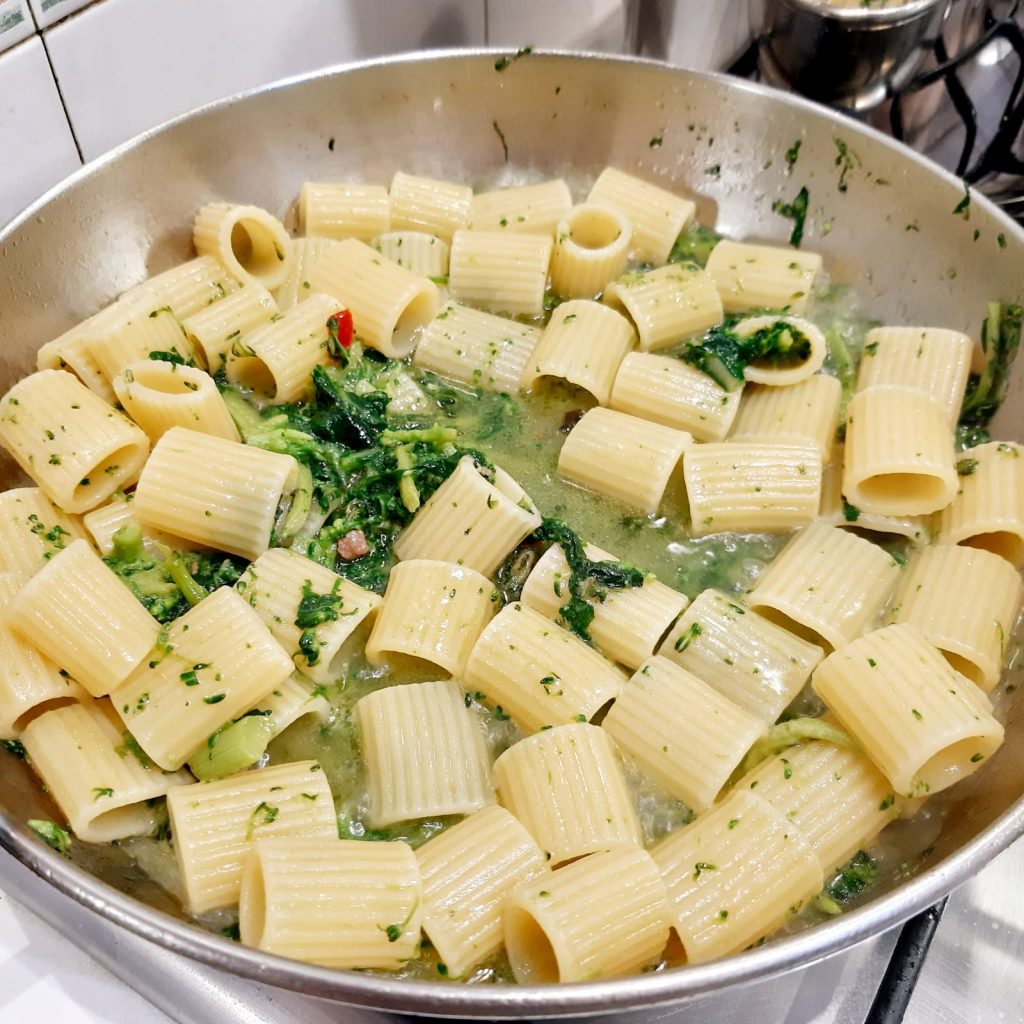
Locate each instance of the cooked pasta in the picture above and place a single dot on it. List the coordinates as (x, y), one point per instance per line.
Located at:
(321, 594)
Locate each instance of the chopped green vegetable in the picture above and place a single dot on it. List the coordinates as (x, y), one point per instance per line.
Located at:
(14, 747)
(588, 581)
(788, 734)
(694, 245)
(796, 211)
(232, 748)
(723, 355)
(315, 609)
(53, 835)
(1000, 339)
(169, 587)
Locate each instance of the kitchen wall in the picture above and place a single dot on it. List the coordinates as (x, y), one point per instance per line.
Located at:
(78, 77)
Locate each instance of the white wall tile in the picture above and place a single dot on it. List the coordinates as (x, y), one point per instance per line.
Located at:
(127, 65)
(559, 24)
(36, 146)
(48, 12)
(15, 22)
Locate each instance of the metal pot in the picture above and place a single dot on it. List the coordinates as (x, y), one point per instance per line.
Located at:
(882, 217)
(849, 56)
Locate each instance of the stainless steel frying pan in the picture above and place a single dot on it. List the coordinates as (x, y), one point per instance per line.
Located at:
(883, 218)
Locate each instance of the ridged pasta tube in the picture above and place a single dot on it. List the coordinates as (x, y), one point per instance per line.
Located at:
(233, 511)
(667, 304)
(330, 210)
(583, 343)
(467, 872)
(32, 530)
(899, 456)
(428, 204)
(424, 752)
(499, 272)
(76, 447)
(591, 248)
(803, 413)
(600, 917)
(159, 395)
(78, 613)
(924, 725)
(534, 209)
(762, 276)
(213, 329)
(339, 903)
(249, 241)
(566, 786)
(657, 216)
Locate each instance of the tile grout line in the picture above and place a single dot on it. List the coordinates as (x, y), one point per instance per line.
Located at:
(60, 95)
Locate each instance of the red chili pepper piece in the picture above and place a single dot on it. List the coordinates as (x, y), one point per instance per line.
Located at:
(339, 327)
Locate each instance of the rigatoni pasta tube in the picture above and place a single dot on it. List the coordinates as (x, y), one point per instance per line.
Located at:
(499, 272)
(656, 215)
(428, 204)
(32, 529)
(601, 917)
(31, 683)
(104, 791)
(929, 359)
(751, 485)
(756, 664)
(467, 872)
(416, 251)
(424, 753)
(627, 623)
(144, 332)
(837, 511)
(591, 247)
(388, 303)
(275, 586)
(988, 510)
(668, 391)
(250, 242)
(205, 669)
(566, 786)
(535, 209)
(470, 520)
(734, 875)
(667, 304)
(81, 616)
(215, 823)
(972, 634)
(275, 360)
(924, 725)
(330, 210)
(186, 288)
(233, 512)
(76, 447)
(525, 666)
(70, 351)
(680, 732)
(800, 349)
(433, 611)
(803, 413)
(835, 797)
(826, 585)
(214, 329)
(583, 343)
(629, 459)
(899, 453)
(159, 395)
(762, 276)
(476, 348)
(289, 701)
(339, 903)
